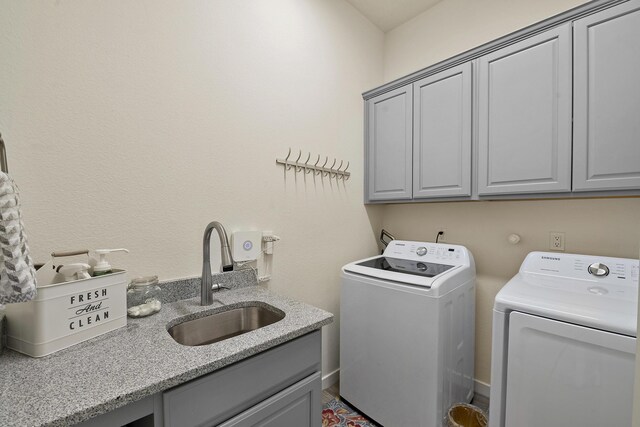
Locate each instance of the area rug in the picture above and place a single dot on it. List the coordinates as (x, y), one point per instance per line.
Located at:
(336, 413)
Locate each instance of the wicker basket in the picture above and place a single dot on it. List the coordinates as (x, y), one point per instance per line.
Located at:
(465, 415)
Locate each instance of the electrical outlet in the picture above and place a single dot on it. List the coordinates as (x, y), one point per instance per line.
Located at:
(556, 241)
(268, 239)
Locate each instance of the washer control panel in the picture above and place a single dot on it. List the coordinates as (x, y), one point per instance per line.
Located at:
(583, 267)
(428, 252)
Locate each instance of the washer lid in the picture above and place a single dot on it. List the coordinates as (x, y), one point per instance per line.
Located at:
(563, 287)
(414, 263)
(393, 270)
(405, 266)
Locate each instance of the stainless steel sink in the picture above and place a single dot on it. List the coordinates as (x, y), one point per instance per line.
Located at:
(226, 324)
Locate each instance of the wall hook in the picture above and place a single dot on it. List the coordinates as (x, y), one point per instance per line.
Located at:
(306, 170)
(286, 160)
(331, 169)
(326, 159)
(298, 167)
(3, 157)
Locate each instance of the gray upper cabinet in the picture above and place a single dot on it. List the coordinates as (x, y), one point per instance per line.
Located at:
(607, 99)
(389, 145)
(551, 110)
(524, 116)
(442, 134)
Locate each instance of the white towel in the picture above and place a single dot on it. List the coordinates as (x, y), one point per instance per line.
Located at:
(17, 274)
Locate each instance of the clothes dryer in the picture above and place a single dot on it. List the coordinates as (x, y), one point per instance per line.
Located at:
(564, 343)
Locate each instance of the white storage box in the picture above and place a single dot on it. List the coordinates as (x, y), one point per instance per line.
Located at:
(64, 314)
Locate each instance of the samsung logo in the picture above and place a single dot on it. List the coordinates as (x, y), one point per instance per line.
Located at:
(551, 258)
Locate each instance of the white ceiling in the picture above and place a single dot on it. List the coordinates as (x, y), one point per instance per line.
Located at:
(388, 14)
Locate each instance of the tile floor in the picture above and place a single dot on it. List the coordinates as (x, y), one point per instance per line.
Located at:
(330, 393)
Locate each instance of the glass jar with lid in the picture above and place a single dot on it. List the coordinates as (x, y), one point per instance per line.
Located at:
(144, 296)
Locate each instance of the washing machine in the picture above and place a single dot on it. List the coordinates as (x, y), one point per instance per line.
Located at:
(564, 342)
(407, 322)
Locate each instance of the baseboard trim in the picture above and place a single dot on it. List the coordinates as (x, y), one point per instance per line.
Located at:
(330, 379)
(481, 388)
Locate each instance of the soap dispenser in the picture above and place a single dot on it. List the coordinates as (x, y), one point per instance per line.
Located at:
(102, 267)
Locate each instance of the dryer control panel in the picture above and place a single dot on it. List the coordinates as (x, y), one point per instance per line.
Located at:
(583, 267)
(428, 252)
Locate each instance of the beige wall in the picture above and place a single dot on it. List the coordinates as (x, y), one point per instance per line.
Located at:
(134, 124)
(454, 26)
(599, 226)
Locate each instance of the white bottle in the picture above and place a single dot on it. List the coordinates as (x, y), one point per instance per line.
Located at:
(76, 271)
(102, 267)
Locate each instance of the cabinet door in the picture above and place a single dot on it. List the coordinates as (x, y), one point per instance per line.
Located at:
(606, 139)
(442, 134)
(524, 141)
(297, 406)
(389, 145)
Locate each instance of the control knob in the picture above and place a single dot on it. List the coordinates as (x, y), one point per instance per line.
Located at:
(598, 269)
(421, 251)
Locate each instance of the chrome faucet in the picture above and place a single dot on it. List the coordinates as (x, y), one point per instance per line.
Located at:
(206, 292)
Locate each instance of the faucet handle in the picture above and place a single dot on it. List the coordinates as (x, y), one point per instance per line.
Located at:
(217, 287)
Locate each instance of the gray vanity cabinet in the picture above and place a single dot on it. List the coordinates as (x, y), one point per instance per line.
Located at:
(389, 145)
(524, 116)
(442, 134)
(280, 386)
(606, 136)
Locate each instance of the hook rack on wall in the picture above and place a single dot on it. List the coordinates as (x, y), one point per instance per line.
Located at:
(315, 167)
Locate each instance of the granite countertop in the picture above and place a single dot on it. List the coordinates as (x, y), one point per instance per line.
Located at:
(138, 360)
